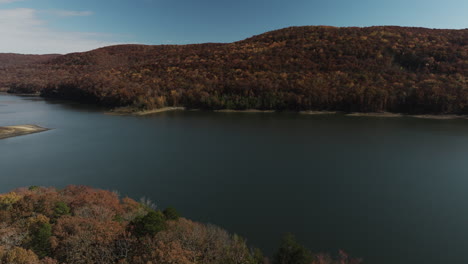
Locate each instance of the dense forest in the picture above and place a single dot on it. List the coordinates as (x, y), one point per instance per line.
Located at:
(81, 225)
(12, 60)
(373, 69)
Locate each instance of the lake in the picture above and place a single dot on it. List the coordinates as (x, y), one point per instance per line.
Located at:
(389, 190)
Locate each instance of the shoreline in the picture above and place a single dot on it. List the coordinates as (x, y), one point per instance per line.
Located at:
(383, 114)
(243, 111)
(131, 112)
(426, 116)
(20, 94)
(441, 117)
(313, 112)
(21, 130)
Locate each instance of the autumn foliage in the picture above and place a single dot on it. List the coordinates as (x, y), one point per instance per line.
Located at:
(396, 69)
(83, 225)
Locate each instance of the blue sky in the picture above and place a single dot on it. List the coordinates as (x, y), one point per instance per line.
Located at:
(62, 26)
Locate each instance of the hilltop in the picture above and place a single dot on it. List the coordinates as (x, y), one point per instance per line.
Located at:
(373, 69)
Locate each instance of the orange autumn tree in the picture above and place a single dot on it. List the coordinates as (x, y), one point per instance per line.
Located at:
(79, 224)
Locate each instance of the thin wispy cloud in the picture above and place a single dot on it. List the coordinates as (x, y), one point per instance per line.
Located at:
(9, 1)
(23, 31)
(69, 13)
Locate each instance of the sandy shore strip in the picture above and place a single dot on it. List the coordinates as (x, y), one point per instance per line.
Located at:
(130, 111)
(318, 112)
(5, 92)
(14, 131)
(244, 111)
(441, 117)
(159, 110)
(387, 114)
(383, 114)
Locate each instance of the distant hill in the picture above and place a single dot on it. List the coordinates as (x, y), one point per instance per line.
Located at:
(10, 62)
(12, 59)
(373, 69)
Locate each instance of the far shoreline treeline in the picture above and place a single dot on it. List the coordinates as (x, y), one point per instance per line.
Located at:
(79, 224)
(375, 69)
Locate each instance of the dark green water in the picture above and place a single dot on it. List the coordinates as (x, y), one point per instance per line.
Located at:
(390, 190)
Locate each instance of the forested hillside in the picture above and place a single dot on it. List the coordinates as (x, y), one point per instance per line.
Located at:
(81, 225)
(10, 62)
(13, 60)
(374, 69)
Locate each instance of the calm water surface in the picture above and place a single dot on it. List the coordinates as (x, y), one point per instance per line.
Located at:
(390, 190)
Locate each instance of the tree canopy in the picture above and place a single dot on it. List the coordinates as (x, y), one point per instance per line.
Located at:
(79, 224)
(373, 69)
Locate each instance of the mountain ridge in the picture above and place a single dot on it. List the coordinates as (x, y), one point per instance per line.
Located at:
(372, 69)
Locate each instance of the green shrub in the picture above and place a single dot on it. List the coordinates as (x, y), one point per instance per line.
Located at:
(150, 224)
(61, 208)
(291, 252)
(171, 213)
(40, 239)
(257, 256)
